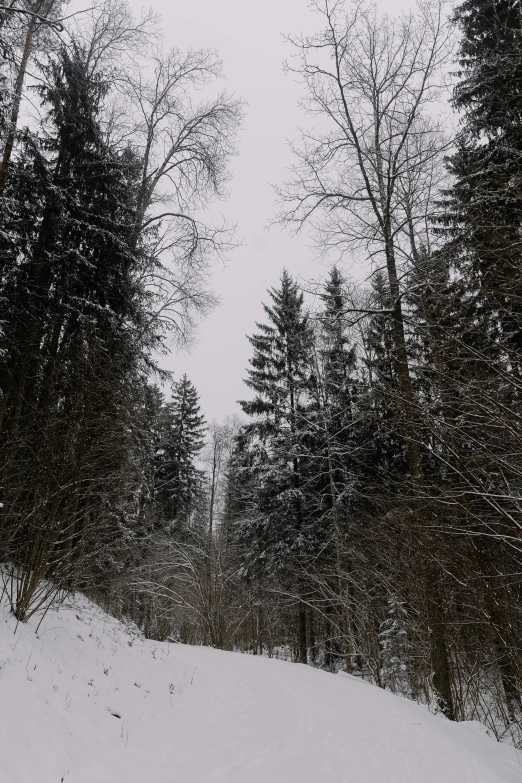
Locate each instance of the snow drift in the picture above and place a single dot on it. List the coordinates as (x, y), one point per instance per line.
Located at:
(86, 700)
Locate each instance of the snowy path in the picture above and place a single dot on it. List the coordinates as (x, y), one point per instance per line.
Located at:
(274, 721)
(81, 703)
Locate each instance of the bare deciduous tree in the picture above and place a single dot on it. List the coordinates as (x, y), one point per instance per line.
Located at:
(183, 146)
(36, 16)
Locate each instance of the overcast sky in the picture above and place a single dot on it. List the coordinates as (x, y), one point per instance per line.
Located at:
(249, 37)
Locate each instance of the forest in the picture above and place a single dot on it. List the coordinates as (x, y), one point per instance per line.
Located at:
(364, 512)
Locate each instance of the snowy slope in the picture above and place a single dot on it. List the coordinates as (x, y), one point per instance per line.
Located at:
(85, 701)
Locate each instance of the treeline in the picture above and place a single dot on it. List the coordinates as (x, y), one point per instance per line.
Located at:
(367, 515)
(377, 489)
(371, 507)
(111, 148)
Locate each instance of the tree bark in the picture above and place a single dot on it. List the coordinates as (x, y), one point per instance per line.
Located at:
(302, 652)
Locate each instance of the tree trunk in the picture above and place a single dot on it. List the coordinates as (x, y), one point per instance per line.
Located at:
(302, 652)
(17, 97)
(439, 654)
(438, 644)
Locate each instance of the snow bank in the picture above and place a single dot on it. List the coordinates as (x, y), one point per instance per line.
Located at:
(87, 701)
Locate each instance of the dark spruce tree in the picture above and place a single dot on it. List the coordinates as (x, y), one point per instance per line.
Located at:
(484, 207)
(73, 269)
(280, 536)
(279, 376)
(337, 357)
(336, 452)
(480, 364)
(331, 408)
(181, 435)
(386, 460)
(72, 364)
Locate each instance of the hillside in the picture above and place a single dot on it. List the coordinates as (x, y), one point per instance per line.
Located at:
(88, 701)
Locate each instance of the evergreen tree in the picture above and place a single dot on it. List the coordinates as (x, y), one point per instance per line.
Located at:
(484, 207)
(396, 647)
(385, 458)
(72, 285)
(332, 409)
(337, 354)
(479, 329)
(72, 368)
(280, 375)
(336, 451)
(280, 535)
(181, 438)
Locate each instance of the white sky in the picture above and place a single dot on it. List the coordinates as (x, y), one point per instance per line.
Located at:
(249, 37)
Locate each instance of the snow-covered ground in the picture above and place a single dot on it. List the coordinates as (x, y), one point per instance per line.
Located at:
(87, 701)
